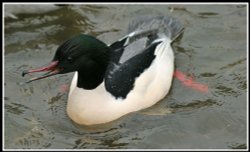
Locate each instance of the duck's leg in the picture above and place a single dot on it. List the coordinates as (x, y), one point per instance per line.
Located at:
(190, 82)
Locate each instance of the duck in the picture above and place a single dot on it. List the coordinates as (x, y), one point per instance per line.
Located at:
(113, 80)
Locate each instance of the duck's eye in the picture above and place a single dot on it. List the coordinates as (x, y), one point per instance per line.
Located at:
(70, 59)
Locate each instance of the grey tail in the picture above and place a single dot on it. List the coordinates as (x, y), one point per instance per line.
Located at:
(169, 26)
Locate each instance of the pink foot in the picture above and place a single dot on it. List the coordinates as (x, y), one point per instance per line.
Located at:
(64, 88)
(190, 82)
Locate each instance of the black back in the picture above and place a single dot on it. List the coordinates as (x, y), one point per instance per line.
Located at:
(120, 78)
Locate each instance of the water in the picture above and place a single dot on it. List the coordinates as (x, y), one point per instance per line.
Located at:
(212, 49)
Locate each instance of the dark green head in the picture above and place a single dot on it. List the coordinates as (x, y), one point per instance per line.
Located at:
(83, 53)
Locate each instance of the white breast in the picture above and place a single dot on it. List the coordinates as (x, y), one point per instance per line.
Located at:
(99, 106)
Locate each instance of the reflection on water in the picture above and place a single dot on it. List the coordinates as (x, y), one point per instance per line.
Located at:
(212, 50)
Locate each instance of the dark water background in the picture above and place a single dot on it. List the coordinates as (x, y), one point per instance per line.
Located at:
(212, 49)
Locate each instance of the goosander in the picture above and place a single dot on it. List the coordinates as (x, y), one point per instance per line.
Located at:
(113, 80)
